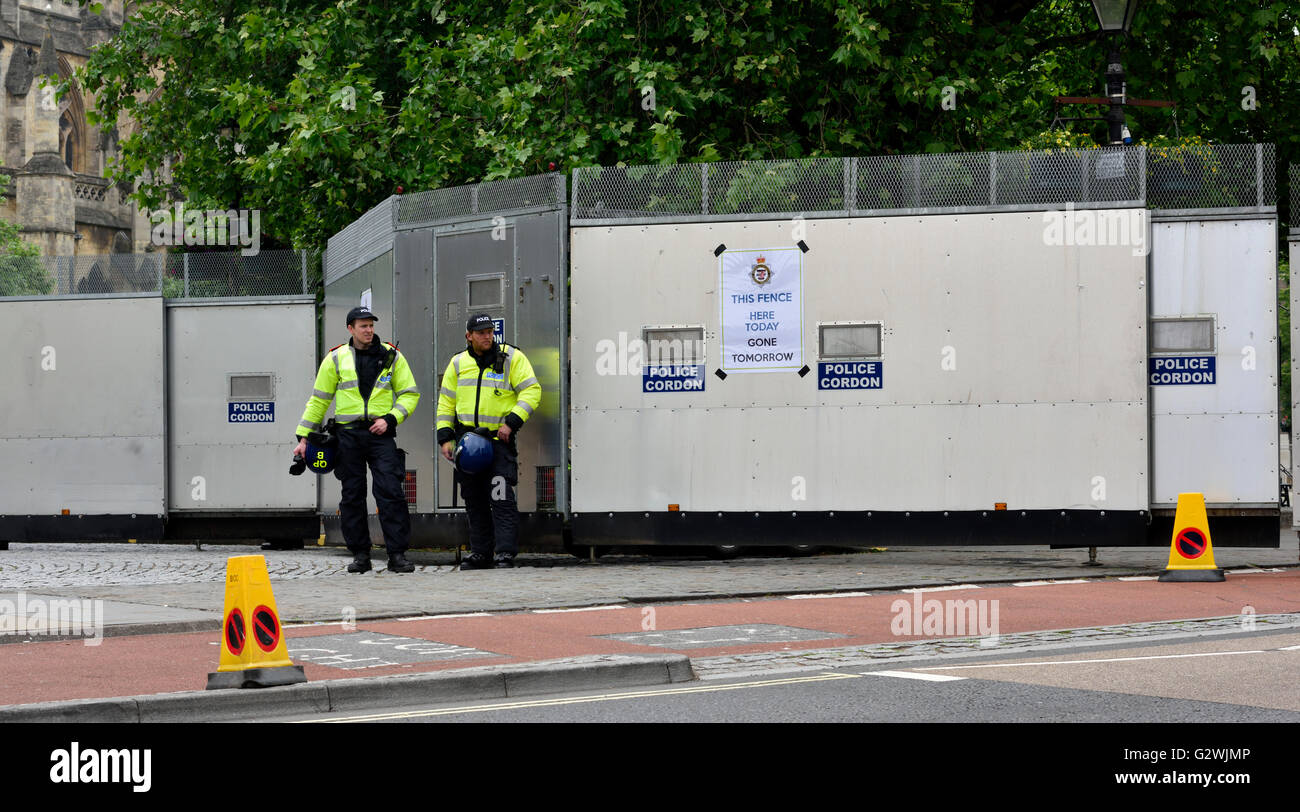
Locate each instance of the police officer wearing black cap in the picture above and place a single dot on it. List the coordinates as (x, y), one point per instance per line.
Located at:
(490, 387)
(373, 392)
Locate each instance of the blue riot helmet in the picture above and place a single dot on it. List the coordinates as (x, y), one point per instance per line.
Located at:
(473, 454)
(320, 457)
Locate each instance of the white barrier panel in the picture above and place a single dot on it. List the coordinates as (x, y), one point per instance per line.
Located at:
(239, 376)
(1293, 247)
(1215, 429)
(1010, 368)
(82, 405)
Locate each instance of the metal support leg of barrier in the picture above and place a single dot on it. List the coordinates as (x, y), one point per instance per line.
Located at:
(1092, 557)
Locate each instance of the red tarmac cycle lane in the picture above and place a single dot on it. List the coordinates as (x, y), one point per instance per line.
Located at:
(147, 664)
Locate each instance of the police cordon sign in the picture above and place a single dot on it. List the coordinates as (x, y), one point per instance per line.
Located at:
(850, 375)
(1179, 370)
(762, 310)
(252, 412)
(688, 378)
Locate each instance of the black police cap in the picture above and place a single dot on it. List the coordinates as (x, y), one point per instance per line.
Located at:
(480, 322)
(360, 313)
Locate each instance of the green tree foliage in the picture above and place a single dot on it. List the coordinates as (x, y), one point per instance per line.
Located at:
(315, 110)
(21, 271)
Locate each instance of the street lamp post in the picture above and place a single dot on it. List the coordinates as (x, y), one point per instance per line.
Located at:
(1115, 17)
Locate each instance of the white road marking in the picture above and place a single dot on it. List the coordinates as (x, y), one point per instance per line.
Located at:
(1049, 583)
(942, 588)
(1089, 662)
(1139, 578)
(1290, 648)
(828, 595)
(542, 703)
(579, 609)
(440, 617)
(911, 675)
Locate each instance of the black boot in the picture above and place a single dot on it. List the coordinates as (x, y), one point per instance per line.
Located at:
(397, 563)
(360, 562)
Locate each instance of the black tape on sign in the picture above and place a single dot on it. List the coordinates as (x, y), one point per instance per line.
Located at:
(803, 246)
(722, 376)
(717, 252)
(804, 371)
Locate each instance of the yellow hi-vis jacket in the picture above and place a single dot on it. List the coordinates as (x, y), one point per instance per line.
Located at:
(482, 397)
(394, 392)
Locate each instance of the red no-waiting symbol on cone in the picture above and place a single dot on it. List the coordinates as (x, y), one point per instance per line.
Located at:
(1190, 543)
(266, 628)
(235, 633)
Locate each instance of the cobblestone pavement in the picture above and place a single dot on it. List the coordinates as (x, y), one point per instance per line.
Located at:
(738, 665)
(312, 584)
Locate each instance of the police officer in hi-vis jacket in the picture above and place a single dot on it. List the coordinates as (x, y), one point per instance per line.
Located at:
(373, 392)
(489, 386)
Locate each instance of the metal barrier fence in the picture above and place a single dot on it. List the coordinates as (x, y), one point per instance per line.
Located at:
(1294, 179)
(475, 200)
(371, 235)
(176, 276)
(364, 239)
(1218, 176)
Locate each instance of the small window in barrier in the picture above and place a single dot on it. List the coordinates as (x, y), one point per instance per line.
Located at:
(546, 487)
(486, 292)
(409, 488)
(1189, 334)
(849, 340)
(673, 346)
(251, 386)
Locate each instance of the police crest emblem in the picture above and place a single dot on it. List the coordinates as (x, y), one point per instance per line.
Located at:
(760, 272)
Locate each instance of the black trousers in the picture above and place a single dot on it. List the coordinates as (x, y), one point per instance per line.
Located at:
(357, 448)
(490, 504)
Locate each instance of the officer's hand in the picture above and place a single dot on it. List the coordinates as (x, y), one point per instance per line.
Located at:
(300, 450)
(446, 450)
(504, 432)
(379, 426)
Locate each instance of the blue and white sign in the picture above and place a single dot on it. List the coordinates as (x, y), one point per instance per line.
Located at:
(762, 310)
(499, 330)
(261, 411)
(1181, 370)
(689, 378)
(850, 375)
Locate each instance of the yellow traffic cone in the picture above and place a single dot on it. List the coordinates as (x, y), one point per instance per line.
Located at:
(1191, 555)
(253, 653)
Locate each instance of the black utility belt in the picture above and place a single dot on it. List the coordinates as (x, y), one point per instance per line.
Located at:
(462, 429)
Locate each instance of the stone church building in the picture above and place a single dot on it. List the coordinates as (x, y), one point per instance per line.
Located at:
(55, 158)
